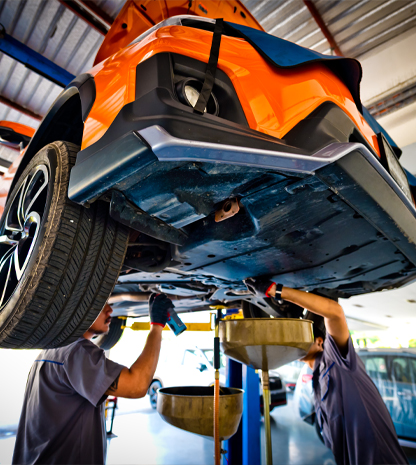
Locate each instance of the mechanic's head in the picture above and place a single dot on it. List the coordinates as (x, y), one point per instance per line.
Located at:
(319, 333)
(101, 324)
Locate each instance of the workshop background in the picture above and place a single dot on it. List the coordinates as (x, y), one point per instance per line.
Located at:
(381, 34)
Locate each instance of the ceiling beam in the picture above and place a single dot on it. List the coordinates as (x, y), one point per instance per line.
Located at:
(33, 60)
(394, 101)
(89, 12)
(19, 108)
(322, 26)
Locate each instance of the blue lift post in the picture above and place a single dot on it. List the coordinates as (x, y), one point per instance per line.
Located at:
(244, 447)
(251, 417)
(234, 378)
(33, 60)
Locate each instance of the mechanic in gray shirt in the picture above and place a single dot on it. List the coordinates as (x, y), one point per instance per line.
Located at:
(62, 420)
(354, 420)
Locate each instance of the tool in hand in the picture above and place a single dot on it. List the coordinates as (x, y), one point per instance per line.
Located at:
(176, 325)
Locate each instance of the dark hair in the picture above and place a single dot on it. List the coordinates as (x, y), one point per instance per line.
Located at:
(318, 333)
(319, 329)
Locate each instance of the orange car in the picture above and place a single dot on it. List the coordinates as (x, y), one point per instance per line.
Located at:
(198, 152)
(14, 134)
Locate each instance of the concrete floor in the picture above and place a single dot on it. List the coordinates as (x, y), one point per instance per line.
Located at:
(143, 438)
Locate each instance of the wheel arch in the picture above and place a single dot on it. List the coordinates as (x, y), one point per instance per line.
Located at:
(64, 120)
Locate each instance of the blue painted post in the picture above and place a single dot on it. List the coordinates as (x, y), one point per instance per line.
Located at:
(34, 60)
(233, 378)
(251, 417)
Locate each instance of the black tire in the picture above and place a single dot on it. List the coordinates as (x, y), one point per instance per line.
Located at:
(152, 391)
(109, 340)
(76, 256)
(253, 311)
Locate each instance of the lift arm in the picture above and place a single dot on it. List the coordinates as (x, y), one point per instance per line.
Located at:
(33, 60)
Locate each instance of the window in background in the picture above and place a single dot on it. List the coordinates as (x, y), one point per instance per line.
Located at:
(401, 370)
(376, 367)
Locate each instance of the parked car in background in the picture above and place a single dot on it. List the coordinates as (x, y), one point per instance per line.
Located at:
(289, 373)
(14, 138)
(393, 371)
(15, 135)
(194, 367)
(184, 367)
(303, 399)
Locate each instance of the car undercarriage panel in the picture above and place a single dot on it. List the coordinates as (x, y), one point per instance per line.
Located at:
(342, 231)
(328, 219)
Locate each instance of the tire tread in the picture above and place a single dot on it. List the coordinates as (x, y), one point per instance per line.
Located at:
(77, 275)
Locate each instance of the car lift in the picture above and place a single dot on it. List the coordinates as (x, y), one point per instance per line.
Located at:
(244, 447)
(33, 60)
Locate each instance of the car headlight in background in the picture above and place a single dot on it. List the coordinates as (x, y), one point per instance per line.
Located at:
(188, 91)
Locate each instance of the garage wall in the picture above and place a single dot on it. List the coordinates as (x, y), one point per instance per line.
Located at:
(408, 158)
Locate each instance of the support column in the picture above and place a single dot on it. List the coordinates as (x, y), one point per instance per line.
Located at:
(234, 378)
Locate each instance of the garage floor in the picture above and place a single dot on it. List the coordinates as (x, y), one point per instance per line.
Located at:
(294, 442)
(143, 438)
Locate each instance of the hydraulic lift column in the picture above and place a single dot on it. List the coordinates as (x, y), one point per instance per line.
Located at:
(244, 447)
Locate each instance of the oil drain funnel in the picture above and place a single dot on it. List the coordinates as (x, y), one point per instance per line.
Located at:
(265, 344)
(191, 408)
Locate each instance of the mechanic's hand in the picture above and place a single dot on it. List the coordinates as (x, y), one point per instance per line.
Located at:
(159, 304)
(258, 286)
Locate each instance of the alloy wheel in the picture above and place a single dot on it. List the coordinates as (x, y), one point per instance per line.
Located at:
(20, 228)
(153, 393)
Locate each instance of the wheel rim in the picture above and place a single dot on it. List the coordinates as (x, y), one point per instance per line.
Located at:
(20, 230)
(153, 392)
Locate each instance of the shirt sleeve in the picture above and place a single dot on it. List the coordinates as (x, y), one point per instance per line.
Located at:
(331, 351)
(90, 372)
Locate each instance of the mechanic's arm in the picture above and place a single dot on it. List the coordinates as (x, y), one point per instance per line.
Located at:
(134, 382)
(335, 322)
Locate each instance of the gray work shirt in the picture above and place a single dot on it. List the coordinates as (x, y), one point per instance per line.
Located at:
(62, 420)
(354, 420)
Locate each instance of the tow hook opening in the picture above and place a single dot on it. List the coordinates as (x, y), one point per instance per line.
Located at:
(188, 91)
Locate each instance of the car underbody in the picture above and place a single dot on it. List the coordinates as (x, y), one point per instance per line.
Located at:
(322, 232)
(299, 186)
(315, 210)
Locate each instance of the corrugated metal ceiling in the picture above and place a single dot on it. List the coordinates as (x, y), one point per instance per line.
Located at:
(52, 30)
(48, 27)
(357, 26)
